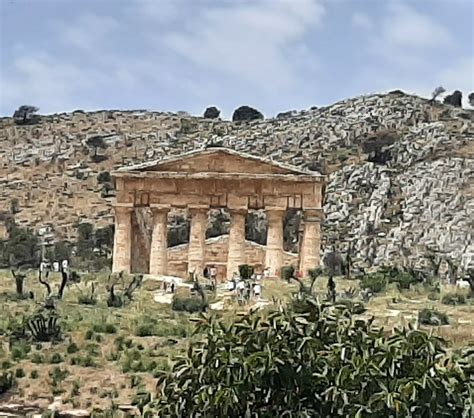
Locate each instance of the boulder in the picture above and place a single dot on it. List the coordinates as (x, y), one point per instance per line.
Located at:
(212, 112)
(245, 113)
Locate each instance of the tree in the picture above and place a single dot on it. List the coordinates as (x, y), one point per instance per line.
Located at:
(21, 248)
(14, 206)
(437, 91)
(212, 112)
(104, 239)
(95, 142)
(454, 99)
(246, 113)
(25, 114)
(471, 99)
(318, 363)
(85, 240)
(103, 177)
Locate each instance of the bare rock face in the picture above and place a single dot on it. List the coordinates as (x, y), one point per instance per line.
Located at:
(212, 112)
(246, 113)
(454, 99)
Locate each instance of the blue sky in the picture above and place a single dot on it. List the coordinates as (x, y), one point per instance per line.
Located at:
(275, 55)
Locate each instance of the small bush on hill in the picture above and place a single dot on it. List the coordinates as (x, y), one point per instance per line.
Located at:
(432, 317)
(189, 304)
(6, 382)
(453, 299)
(376, 283)
(104, 328)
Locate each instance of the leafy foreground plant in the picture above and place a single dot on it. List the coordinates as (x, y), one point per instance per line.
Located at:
(319, 363)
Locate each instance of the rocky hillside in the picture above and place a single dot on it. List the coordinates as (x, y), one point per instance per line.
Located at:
(400, 170)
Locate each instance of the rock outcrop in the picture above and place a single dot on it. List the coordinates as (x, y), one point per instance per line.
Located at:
(400, 169)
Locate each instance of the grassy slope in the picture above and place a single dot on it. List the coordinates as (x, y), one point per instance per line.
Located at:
(110, 375)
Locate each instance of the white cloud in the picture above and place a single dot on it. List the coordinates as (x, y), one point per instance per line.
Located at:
(251, 41)
(408, 36)
(408, 28)
(361, 20)
(88, 31)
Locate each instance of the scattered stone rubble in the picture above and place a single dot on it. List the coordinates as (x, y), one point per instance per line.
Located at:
(418, 199)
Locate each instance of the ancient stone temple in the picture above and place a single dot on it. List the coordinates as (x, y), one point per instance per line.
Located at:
(216, 178)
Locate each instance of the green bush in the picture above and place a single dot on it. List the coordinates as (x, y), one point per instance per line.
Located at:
(104, 328)
(19, 373)
(56, 358)
(403, 279)
(34, 374)
(312, 364)
(20, 350)
(432, 317)
(72, 348)
(376, 283)
(287, 273)
(37, 358)
(189, 304)
(6, 382)
(453, 299)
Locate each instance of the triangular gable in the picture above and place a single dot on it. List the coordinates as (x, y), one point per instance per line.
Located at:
(216, 160)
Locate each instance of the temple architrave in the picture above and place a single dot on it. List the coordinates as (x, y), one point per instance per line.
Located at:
(217, 178)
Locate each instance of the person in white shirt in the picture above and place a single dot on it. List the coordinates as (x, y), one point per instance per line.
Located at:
(257, 290)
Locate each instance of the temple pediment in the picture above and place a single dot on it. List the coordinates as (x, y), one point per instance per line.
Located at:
(216, 160)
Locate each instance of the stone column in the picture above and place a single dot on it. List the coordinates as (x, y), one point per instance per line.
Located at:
(311, 245)
(122, 239)
(159, 241)
(274, 252)
(236, 251)
(197, 239)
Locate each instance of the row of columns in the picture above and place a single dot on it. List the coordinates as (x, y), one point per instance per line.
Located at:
(309, 249)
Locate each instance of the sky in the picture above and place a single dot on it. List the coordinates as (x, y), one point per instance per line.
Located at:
(185, 55)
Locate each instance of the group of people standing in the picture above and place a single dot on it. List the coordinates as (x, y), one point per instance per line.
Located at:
(246, 289)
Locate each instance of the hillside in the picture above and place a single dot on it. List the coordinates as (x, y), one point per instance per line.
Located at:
(400, 170)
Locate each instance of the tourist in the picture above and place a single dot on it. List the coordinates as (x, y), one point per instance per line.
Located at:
(257, 290)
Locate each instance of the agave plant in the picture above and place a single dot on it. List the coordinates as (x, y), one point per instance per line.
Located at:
(44, 326)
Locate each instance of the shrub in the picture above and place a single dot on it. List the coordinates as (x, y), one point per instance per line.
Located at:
(453, 299)
(37, 358)
(287, 273)
(19, 373)
(432, 317)
(319, 364)
(104, 328)
(72, 348)
(376, 283)
(403, 279)
(20, 350)
(6, 382)
(189, 304)
(146, 329)
(34, 374)
(56, 358)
